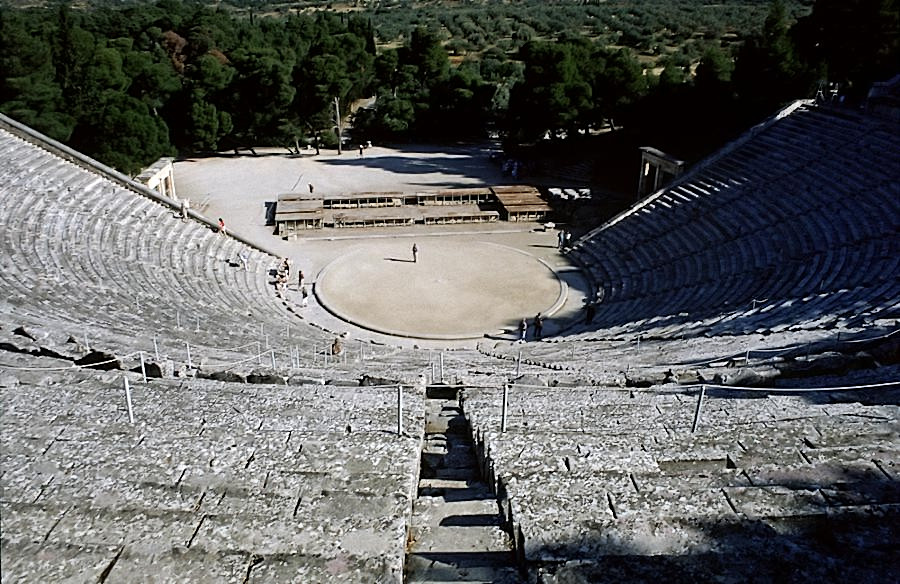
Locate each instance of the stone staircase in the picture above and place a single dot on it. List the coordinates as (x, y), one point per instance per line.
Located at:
(456, 532)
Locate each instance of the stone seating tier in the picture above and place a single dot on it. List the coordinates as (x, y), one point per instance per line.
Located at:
(132, 260)
(306, 480)
(637, 257)
(630, 479)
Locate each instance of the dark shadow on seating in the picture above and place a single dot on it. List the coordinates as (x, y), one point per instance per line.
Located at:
(482, 520)
(463, 560)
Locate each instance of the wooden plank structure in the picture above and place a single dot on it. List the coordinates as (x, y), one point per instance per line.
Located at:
(298, 212)
(521, 203)
(295, 213)
(446, 214)
(472, 196)
(365, 199)
(372, 217)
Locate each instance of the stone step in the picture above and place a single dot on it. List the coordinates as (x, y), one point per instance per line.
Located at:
(447, 421)
(434, 510)
(455, 532)
(481, 567)
(443, 484)
(460, 539)
(453, 473)
(455, 489)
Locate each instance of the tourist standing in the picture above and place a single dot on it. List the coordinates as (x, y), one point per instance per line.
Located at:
(523, 330)
(222, 226)
(538, 326)
(415, 252)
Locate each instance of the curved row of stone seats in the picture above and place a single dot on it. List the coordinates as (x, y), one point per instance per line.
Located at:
(87, 252)
(599, 481)
(704, 245)
(674, 354)
(213, 482)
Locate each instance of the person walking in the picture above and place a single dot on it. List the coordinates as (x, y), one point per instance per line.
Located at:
(523, 330)
(589, 312)
(300, 279)
(222, 226)
(561, 239)
(415, 252)
(185, 205)
(538, 326)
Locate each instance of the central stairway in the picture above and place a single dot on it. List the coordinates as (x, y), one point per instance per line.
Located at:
(456, 533)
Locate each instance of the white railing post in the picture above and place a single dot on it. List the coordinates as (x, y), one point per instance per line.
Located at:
(504, 407)
(155, 348)
(442, 367)
(258, 353)
(697, 410)
(128, 400)
(197, 329)
(273, 359)
(143, 367)
(399, 410)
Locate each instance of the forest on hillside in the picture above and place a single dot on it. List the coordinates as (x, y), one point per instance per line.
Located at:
(127, 82)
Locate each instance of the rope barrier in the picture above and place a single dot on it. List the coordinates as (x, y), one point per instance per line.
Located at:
(241, 347)
(679, 388)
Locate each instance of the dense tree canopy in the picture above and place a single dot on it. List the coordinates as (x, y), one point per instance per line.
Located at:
(133, 81)
(130, 85)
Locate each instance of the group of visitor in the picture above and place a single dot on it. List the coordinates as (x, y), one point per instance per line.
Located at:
(282, 277)
(537, 324)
